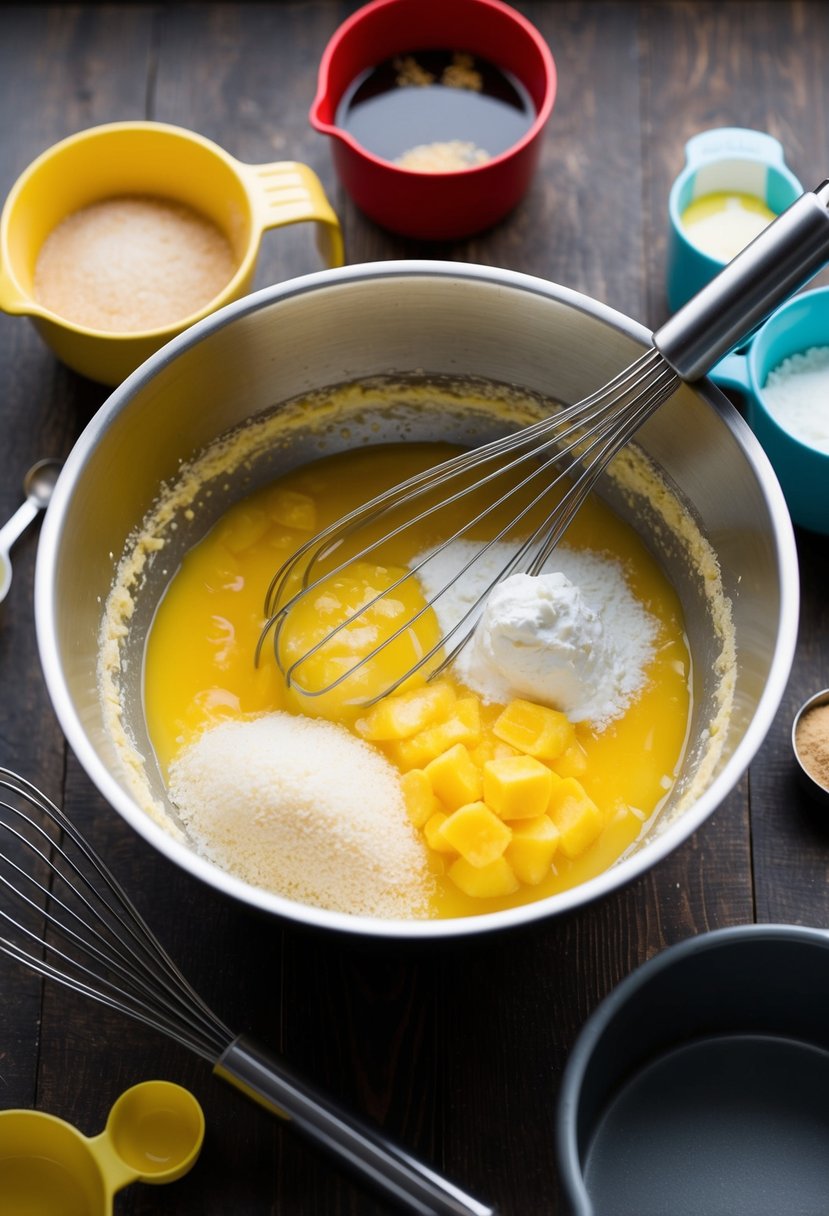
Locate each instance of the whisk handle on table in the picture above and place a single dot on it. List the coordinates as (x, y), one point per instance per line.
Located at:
(65, 915)
(778, 262)
(409, 1183)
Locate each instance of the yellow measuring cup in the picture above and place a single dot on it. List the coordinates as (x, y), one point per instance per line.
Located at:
(155, 160)
(153, 1134)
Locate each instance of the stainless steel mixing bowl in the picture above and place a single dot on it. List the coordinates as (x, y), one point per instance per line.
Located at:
(387, 319)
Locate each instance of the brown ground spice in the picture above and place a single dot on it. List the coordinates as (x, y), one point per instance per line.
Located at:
(812, 742)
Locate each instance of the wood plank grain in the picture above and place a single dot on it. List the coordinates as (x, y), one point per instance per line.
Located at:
(456, 1049)
(755, 66)
(54, 79)
(790, 832)
(743, 65)
(245, 75)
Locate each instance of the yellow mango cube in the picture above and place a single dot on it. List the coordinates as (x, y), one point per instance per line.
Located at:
(462, 726)
(517, 787)
(572, 762)
(532, 848)
(406, 754)
(407, 713)
(431, 831)
(419, 797)
(482, 882)
(244, 529)
(534, 729)
(491, 748)
(475, 833)
(455, 777)
(576, 816)
(292, 509)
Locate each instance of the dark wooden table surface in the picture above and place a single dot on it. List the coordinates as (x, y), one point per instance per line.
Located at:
(457, 1050)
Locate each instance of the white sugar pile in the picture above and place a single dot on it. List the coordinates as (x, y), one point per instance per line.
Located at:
(301, 807)
(581, 643)
(796, 394)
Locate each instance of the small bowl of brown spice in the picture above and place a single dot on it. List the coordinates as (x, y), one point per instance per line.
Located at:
(810, 741)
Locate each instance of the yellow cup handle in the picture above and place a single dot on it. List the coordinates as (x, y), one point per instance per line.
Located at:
(288, 192)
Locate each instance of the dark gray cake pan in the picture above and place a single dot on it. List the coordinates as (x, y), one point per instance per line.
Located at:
(700, 1086)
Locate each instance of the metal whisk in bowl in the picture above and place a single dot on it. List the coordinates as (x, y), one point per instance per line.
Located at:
(539, 476)
(63, 914)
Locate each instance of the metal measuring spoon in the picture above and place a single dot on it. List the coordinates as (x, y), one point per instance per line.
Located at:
(38, 485)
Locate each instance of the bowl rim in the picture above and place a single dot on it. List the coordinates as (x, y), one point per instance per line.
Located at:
(618, 875)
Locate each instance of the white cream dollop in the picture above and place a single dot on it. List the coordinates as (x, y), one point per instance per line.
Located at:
(539, 638)
(574, 637)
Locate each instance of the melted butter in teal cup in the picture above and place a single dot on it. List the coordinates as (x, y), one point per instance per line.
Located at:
(726, 160)
(802, 469)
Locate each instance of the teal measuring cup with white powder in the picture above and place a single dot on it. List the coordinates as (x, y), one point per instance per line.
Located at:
(783, 374)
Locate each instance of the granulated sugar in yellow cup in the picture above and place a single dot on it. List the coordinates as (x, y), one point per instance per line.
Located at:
(154, 188)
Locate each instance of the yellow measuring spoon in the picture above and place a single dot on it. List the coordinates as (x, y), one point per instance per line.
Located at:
(153, 1134)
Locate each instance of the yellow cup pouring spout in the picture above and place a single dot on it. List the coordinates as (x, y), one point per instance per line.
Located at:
(153, 1134)
(149, 159)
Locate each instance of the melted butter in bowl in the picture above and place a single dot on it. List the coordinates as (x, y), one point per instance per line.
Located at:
(468, 766)
(199, 674)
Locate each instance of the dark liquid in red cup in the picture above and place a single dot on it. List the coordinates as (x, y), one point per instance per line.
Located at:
(428, 98)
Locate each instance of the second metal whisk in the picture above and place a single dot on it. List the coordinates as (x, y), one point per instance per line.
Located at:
(546, 469)
(64, 915)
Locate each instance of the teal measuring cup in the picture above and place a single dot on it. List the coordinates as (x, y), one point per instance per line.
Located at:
(731, 160)
(802, 470)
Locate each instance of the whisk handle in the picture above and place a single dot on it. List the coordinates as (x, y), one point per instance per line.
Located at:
(409, 1183)
(783, 258)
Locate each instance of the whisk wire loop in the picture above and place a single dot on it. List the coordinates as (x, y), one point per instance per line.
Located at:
(91, 936)
(309, 587)
(615, 433)
(576, 443)
(327, 539)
